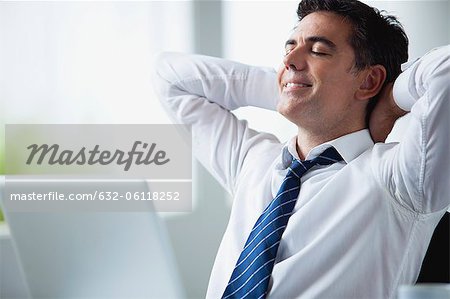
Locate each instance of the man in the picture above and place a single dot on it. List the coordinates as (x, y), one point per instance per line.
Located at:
(360, 224)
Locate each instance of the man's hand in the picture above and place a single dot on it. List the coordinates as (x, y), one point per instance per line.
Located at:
(384, 115)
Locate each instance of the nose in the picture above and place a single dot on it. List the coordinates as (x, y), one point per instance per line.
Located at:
(295, 60)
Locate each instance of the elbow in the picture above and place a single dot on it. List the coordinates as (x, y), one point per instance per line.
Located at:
(162, 74)
(161, 64)
(440, 68)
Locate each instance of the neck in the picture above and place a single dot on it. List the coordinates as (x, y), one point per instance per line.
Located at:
(308, 139)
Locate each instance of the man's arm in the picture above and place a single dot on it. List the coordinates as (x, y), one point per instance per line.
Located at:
(417, 171)
(385, 114)
(200, 91)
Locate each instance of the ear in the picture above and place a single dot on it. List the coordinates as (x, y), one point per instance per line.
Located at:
(372, 82)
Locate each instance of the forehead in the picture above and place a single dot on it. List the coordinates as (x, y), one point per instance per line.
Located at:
(326, 24)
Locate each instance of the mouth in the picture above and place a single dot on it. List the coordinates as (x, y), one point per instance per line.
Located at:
(290, 86)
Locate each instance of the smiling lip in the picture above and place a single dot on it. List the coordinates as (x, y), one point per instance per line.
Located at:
(289, 86)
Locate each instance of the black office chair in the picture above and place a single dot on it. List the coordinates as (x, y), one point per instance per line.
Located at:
(436, 264)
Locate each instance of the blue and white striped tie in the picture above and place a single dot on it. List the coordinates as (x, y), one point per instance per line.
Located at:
(250, 277)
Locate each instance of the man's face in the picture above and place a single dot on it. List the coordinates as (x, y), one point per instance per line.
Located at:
(316, 81)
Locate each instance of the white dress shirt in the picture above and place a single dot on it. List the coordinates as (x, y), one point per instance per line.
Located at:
(361, 227)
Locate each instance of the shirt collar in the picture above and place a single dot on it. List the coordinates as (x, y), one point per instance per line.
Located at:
(349, 147)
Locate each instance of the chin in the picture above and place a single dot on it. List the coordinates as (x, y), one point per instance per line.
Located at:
(290, 112)
(290, 104)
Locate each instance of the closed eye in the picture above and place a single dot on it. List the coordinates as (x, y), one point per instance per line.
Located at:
(319, 53)
(289, 46)
(287, 51)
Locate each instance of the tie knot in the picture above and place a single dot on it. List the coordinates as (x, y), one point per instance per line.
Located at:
(327, 157)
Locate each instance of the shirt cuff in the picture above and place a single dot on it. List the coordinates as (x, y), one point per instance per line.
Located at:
(404, 96)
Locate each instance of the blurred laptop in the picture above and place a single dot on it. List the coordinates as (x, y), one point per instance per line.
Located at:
(95, 254)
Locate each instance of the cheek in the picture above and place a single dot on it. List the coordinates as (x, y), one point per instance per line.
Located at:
(337, 85)
(344, 78)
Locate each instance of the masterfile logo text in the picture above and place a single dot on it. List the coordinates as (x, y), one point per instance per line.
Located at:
(122, 151)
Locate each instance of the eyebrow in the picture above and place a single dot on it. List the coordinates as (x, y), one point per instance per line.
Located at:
(315, 39)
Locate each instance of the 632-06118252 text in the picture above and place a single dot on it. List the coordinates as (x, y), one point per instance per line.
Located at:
(97, 195)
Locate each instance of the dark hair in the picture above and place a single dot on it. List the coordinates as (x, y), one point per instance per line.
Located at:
(377, 38)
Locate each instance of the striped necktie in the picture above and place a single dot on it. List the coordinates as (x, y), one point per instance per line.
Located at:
(250, 277)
